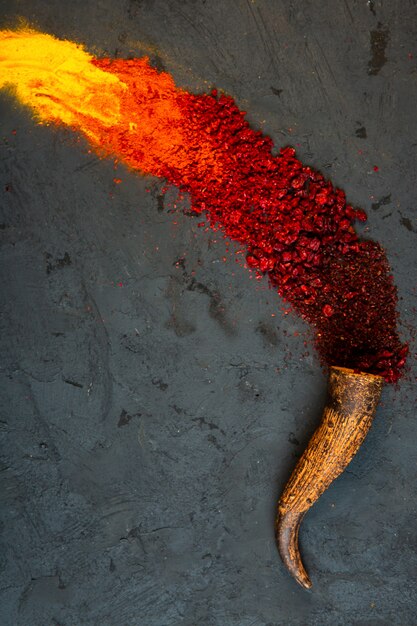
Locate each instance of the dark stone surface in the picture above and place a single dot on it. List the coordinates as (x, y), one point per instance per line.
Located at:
(147, 429)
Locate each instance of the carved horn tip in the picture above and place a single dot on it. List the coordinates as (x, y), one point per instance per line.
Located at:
(287, 526)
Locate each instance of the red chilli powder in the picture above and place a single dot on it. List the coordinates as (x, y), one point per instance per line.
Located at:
(297, 228)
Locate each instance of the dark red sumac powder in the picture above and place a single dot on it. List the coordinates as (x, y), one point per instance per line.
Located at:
(298, 229)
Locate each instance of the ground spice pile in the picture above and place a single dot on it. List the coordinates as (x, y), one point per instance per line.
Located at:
(296, 227)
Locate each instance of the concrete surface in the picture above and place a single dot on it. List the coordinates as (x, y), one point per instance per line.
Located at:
(148, 428)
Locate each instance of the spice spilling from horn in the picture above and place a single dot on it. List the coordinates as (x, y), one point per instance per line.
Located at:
(292, 223)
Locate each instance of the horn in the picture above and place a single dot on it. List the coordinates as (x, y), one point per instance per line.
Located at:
(352, 399)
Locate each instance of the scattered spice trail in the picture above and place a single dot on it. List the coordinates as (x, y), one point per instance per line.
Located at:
(295, 225)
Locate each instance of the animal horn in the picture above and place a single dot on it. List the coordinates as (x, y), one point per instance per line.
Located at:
(350, 408)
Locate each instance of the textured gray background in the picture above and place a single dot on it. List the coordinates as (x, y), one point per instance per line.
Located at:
(148, 429)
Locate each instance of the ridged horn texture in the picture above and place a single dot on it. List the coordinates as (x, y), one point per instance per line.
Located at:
(350, 408)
